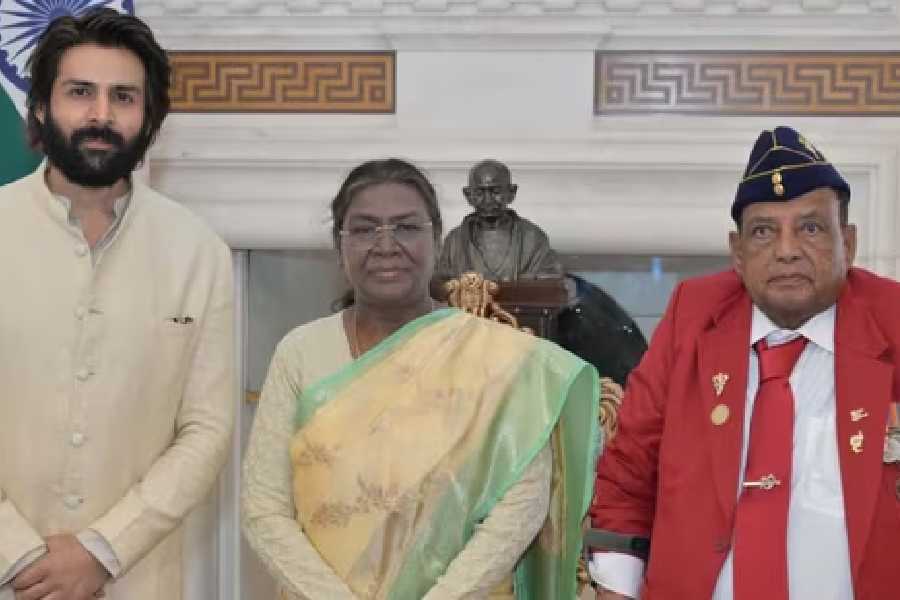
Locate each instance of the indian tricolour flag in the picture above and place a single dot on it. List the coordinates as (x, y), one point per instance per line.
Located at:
(21, 24)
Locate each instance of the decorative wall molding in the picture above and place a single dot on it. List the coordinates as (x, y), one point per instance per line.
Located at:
(741, 83)
(305, 82)
(457, 8)
(523, 24)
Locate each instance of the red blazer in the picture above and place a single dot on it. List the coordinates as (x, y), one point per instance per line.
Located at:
(671, 474)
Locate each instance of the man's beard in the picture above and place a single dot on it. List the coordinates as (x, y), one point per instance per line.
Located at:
(91, 167)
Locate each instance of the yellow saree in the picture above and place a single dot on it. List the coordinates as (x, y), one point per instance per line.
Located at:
(398, 456)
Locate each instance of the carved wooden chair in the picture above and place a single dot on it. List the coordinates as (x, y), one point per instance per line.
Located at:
(474, 294)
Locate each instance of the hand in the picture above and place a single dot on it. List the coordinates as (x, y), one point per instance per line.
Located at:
(604, 594)
(67, 572)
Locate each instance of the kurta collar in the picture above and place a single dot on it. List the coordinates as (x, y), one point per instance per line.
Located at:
(59, 206)
(119, 206)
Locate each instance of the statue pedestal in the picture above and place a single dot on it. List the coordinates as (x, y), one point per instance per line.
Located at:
(536, 303)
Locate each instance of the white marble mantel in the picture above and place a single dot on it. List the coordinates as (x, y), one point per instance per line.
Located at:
(642, 185)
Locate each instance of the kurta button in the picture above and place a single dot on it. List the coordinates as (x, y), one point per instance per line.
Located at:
(722, 545)
(81, 249)
(72, 501)
(80, 312)
(77, 439)
(82, 374)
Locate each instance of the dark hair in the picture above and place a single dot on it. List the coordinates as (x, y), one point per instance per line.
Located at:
(388, 170)
(110, 29)
(373, 172)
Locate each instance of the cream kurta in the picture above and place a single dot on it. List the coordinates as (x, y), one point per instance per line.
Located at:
(116, 380)
(307, 354)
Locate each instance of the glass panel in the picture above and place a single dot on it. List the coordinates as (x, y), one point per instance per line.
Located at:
(641, 284)
(288, 288)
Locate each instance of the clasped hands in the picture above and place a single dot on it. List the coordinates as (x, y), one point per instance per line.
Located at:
(66, 572)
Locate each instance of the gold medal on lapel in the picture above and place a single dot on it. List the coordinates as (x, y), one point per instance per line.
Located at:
(720, 414)
(719, 380)
(856, 442)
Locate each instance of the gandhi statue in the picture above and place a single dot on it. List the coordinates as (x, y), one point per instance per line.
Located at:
(493, 240)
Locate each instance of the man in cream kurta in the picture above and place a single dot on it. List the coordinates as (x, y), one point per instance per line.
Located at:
(116, 378)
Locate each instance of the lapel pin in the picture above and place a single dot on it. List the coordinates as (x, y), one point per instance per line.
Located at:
(765, 483)
(719, 380)
(720, 414)
(856, 442)
(858, 414)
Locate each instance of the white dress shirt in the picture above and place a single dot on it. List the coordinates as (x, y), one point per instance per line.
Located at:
(818, 551)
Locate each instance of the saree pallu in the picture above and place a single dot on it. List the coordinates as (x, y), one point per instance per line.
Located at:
(398, 456)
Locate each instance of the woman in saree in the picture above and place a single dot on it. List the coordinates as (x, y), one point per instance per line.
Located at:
(404, 450)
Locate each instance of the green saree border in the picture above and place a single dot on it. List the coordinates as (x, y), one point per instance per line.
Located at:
(339, 378)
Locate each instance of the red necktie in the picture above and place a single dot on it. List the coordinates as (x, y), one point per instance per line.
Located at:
(760, 529)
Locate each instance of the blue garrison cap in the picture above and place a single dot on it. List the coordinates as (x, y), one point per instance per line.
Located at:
(784, 165)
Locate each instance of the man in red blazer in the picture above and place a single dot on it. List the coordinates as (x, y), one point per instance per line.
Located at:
(756, 475)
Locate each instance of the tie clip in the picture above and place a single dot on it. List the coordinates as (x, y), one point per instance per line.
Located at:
(765, 483)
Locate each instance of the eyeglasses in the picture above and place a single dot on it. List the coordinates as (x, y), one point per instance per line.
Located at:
(403, 233)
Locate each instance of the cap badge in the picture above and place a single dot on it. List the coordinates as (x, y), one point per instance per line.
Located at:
(777, 186)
